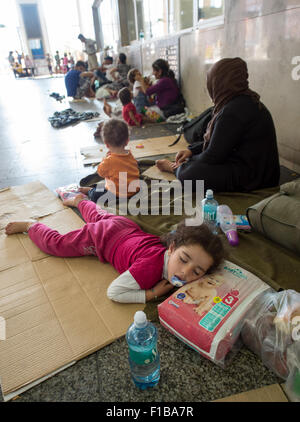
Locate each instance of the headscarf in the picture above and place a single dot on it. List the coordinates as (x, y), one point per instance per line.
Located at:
(226, 79)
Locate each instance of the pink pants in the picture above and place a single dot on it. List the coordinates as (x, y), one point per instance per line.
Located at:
(89, 240)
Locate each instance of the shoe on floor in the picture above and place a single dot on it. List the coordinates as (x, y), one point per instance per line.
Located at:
(98, 130)
(90, 180)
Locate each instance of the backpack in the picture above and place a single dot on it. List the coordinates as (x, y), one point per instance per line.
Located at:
(193, 130)
(277, 217)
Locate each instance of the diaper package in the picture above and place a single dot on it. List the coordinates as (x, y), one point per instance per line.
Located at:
(208, 314)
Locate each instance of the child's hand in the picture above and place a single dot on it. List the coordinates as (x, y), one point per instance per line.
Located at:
(160, 289)
(147, 81)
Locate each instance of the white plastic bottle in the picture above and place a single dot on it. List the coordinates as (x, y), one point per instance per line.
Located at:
(227, 224)
(143, 356)
(209, 211)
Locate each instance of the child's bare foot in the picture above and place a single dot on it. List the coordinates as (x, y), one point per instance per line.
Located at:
(107, 108)
(165, 165)
(73, 202)
(18, 226)
(84, 190)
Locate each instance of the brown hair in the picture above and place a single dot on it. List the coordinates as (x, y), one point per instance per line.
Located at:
(197, 235)
(115, 132)
(131, 75)
(163, 65)
(124, 96)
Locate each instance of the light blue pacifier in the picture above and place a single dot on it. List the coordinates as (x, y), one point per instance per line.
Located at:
(177, 282)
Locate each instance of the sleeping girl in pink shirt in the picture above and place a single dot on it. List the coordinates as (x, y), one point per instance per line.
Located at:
(148, 264)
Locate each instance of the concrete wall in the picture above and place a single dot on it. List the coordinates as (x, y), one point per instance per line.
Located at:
(266, 34)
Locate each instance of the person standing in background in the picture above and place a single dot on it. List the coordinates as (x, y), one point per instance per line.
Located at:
(29, 65)
(57, 60)
(49, 63)
(71, 61)
(65, 62)
(18, 57)
(90, 50)
(11, 59)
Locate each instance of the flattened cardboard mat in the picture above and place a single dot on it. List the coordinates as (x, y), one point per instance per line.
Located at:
(56, 309)
(140, 148)
(270, 393)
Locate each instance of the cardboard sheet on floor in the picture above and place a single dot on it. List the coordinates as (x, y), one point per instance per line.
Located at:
(140, 149)
(154, 173)
(55, 309)
(28, 201)
(270, 393)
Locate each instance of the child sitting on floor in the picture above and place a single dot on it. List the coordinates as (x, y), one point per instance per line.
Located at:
(118, 160)
(140, 99)
(146, 263)
(129, 113)
(131, 116)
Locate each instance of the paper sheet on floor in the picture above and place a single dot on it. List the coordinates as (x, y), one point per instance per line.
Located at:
(140, 148)
(56, 310)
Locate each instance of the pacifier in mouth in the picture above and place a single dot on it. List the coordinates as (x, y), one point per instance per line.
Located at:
(177, 282)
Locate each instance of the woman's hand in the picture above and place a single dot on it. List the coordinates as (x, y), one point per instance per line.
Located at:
(139, 77)
(182, 156)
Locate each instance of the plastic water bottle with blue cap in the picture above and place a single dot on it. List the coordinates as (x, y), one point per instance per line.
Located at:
(143, 356)
(209, 211)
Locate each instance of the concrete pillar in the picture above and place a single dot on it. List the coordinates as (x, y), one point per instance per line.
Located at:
(98, 27)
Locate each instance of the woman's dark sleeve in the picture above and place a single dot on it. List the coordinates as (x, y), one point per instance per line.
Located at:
(196, 147)
(227, 134)
(153, 89)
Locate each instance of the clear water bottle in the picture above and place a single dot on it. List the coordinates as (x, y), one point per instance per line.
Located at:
(143, 356)
(209, 211)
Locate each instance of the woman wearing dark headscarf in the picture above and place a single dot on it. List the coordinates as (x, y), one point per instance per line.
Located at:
(239, 148)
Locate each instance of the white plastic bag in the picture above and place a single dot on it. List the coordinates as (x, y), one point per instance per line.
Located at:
(292, 385)
(271, 329)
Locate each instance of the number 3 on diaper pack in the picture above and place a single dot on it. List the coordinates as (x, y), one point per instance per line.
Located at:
(230, 300)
